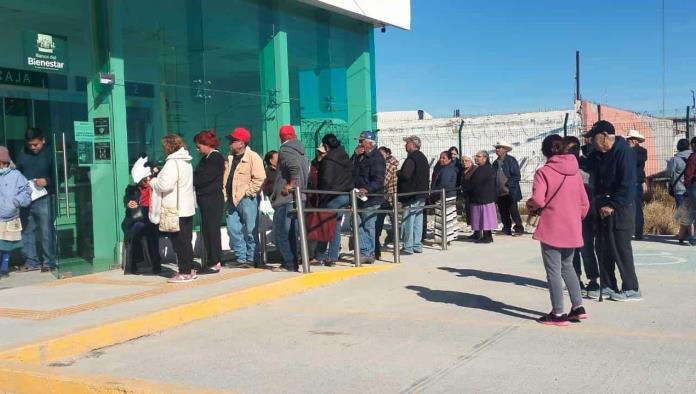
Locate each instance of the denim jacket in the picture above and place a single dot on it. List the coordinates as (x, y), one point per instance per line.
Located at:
(14, 193)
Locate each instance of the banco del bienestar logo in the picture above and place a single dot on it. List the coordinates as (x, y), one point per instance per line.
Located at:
(44, 43)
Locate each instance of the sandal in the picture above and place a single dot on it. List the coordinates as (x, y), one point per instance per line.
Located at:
(215, 268)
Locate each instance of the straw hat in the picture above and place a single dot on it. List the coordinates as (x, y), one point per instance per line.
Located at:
(503, 144)
(634, 134)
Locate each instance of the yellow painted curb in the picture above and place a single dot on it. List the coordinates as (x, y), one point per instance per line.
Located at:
(20, 379)
(51, 350)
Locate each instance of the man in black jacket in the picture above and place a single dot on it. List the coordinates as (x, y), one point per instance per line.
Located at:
(634, 140)
(368, 176)
(413, 177)
(614, 170)
(333, 177)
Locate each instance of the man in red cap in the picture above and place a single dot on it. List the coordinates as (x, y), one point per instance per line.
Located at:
(244, 175)
(293, 171)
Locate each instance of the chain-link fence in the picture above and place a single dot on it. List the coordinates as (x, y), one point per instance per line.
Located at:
(525, 134)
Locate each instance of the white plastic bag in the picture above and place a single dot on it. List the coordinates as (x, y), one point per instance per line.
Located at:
(155, 207)
(265, 206)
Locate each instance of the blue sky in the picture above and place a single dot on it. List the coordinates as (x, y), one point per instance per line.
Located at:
(507, 56)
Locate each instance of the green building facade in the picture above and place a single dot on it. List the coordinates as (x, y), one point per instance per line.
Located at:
(106, 79)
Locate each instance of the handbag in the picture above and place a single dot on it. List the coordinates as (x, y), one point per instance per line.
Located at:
(136, 214)
(533, 217)
(169, 217)
(321, 226)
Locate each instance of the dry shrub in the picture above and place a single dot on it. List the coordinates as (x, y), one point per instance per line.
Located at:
(659, 211)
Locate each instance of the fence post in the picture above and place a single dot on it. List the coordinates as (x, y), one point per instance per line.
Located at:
(395, 228)
(356, 232)
(687, 123)
(459, 138)
(443, 219)
(303, 230)
(262, 238)
(565, 126)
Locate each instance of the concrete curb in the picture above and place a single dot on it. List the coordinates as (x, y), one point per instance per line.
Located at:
(51, 350)
(16, 378)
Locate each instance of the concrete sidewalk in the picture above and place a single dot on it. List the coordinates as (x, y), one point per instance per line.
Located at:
(461, 320)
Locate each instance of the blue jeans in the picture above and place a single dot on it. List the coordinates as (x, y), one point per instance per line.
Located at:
(242, 227)
(285, 235)
(39, 216)
(679, 199)
(366, 231)
(412, 228)
(335, 245)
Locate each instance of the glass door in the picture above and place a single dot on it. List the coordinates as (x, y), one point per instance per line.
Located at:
(73, 224)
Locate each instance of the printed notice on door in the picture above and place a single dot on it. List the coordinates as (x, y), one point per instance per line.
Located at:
(84, 138)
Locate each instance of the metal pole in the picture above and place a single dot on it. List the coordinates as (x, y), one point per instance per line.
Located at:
(565, 125)
(303, 230)
(262, 238)
(443, 218)
(599, 112)
(459, 138)
(356, 233)
(395, 228)
(687, 122)
(577, 75)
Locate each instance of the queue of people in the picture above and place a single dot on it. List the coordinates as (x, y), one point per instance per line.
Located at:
(586, 192)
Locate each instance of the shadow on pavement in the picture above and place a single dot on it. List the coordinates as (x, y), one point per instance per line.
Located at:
(474, 301)
(496, 277)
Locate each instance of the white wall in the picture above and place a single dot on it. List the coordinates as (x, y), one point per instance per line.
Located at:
(388, 12)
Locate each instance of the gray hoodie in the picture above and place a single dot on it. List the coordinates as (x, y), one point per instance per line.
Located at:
(292, 163)
(675, 170)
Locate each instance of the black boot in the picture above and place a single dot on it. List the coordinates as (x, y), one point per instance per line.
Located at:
(475, 236)
(486, 239)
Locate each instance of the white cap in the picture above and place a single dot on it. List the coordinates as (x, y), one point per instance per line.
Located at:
(140, 171)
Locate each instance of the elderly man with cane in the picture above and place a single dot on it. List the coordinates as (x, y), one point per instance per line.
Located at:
(614, 170)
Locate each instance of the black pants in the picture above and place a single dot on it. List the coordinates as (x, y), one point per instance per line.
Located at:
(509, 213)
(614, 249)
(379, 226)
(639, 211)
(212, 208)
(182, 245)
(589, 259)
(142, 239)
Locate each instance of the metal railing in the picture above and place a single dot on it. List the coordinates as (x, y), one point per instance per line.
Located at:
(396, 210)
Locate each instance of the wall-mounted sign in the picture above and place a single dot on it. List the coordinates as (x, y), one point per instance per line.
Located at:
(101, 127)
(102, 152)
(12, 76)
(46, 52)
(84, 138)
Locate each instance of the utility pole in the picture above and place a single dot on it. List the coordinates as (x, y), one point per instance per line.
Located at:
(577, 75)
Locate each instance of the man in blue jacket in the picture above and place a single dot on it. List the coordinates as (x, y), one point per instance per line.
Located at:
(368, 176)
(507, 202)
(614, 173)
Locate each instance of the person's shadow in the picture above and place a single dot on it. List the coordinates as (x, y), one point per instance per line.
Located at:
(474, 301)
(496, 277)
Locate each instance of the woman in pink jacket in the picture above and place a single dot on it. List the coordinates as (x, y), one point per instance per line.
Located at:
(559, 195)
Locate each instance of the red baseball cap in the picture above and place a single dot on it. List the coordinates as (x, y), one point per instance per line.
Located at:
(287, 132)
(241, 134)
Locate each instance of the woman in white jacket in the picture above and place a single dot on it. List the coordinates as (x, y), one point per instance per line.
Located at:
(175, 184)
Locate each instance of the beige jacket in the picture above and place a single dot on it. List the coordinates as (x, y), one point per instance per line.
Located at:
(247, 178)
